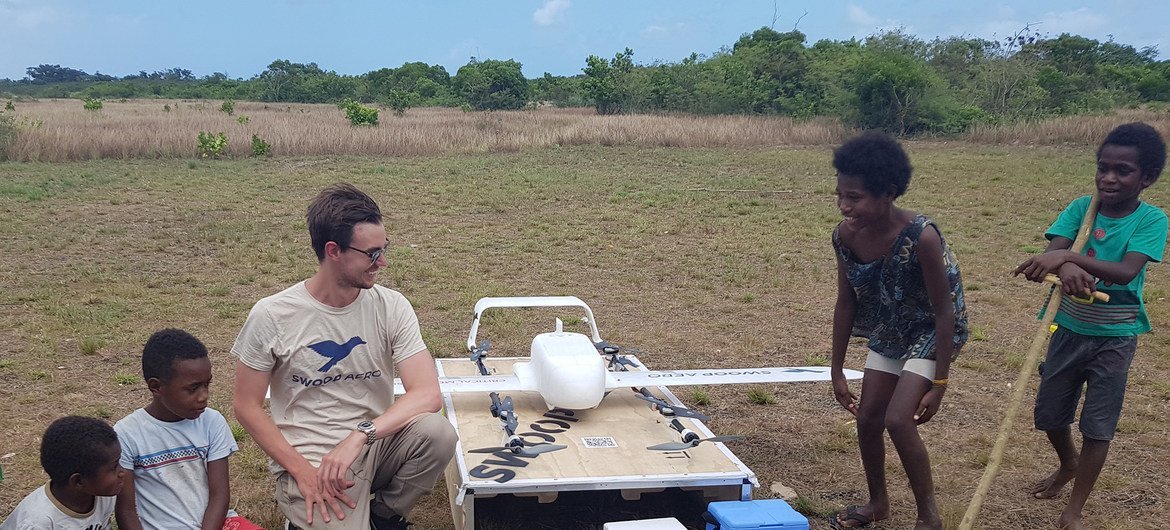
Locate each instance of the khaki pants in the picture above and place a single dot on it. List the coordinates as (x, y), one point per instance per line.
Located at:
(393, 473)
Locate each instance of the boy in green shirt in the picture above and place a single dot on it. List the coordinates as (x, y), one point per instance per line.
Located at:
(1095, 342)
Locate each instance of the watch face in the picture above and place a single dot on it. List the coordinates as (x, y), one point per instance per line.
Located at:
(365, 425)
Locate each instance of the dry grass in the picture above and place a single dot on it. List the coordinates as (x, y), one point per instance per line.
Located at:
(61, 130)
(99, 254)
(1070, 130)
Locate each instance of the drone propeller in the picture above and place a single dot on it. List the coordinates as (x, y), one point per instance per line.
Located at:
(520, 447)
(689, 439)
(605, 348)
(479, 352)
(620, 363)
(477, 355)
(503, 410)
(682, 446)
(668, 409)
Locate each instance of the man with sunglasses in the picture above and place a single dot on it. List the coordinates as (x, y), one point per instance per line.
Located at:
(330, 347)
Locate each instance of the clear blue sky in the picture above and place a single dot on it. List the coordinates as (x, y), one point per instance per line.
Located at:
(240, 38)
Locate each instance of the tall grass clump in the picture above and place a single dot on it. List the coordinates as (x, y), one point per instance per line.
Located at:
(7, 133)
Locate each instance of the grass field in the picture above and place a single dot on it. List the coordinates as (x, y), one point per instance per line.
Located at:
(699, 256)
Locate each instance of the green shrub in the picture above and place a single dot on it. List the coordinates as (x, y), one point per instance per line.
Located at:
(167, 107)
(211, 145)
(359, 114)
(228, 107)
(93, 104)
(260, 147)
(400, 100)
(9, 105)
(243, 120)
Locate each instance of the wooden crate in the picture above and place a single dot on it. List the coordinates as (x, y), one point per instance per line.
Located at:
(606, 450)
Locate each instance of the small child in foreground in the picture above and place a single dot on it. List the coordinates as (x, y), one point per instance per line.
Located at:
(80, 456)
(175, 449)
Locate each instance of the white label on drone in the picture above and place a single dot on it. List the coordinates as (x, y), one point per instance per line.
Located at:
(598, 442)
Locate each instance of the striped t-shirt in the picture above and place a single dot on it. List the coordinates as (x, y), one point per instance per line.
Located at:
(1142, 231)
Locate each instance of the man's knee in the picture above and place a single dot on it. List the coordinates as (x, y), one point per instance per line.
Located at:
(437, 433)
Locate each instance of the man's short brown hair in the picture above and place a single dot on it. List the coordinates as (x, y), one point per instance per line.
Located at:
(334, 212)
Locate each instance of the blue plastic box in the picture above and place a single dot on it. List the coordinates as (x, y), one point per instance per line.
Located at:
(753, 515)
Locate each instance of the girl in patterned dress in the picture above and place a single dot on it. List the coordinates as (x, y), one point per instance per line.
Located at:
(898, 286)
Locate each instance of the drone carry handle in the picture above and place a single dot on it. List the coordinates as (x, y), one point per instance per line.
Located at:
(527, 301)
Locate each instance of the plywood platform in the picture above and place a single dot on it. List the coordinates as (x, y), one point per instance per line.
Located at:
(606, 449)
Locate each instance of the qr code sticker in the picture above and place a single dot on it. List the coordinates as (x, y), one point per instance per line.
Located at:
(597, 442)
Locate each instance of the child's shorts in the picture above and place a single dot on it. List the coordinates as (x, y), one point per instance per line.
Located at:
(922, 367)
(1072, 361)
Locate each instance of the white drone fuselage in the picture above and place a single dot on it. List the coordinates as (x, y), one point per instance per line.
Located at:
(565, 369)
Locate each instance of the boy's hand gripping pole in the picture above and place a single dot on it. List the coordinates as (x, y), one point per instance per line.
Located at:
(1022, 381)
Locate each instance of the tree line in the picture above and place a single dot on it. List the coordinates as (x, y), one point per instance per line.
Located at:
(892, 81)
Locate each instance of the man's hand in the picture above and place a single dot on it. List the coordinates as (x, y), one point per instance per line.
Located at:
(929, 404)
(314, 494)
(333, 473)
(844, 396)
(1036, 267)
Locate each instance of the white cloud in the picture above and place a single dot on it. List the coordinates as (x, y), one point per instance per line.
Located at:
(858, 16)
(654, 31)
(552, 11)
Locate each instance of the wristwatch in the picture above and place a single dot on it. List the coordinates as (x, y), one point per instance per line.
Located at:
(370, 431)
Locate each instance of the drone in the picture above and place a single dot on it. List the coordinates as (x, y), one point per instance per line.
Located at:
(574, 371)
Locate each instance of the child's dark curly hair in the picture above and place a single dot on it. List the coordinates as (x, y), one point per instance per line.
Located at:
(76, 444)
(878, 160)
(1150, 146)
(166, 345)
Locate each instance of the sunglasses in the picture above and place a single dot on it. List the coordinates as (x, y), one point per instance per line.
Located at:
(373, 254)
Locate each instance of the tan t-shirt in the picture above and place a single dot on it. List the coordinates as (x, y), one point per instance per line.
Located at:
(331, 367)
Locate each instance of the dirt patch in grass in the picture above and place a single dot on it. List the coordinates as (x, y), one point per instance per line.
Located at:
(100, 254)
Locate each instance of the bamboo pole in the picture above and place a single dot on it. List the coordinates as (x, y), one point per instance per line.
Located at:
(1022, 381)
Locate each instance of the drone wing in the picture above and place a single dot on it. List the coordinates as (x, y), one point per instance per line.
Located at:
(722, 376)
(474, 383)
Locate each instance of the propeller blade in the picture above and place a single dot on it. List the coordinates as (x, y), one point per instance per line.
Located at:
(529, 450)
(682, 446)
(541, 448)
(671, 446)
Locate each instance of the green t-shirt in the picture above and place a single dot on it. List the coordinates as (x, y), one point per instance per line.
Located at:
(1142, 231)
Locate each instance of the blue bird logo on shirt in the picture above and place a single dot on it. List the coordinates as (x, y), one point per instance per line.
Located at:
(334, 351)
